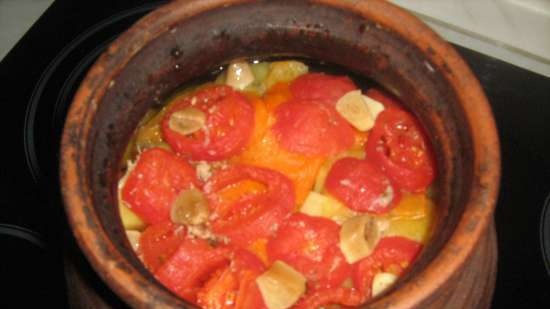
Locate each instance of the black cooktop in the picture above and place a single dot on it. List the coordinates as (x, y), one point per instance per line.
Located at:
(41, 73)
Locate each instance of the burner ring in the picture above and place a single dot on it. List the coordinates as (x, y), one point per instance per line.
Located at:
(545, 233)
(30, 138)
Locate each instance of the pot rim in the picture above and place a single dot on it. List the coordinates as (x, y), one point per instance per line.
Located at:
(130, 284)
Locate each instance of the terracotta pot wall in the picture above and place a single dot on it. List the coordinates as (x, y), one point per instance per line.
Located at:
(172, 45)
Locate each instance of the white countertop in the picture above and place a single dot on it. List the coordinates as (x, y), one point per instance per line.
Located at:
(516, 31)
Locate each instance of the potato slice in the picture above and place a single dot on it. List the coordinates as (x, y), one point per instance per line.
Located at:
(281, 285)
(359, 236)
(130, 220)
(360, 111)
(239, 75)
(284, 71)
(187, 120)
(412, 217)
(190, 208)
(381, 282)
(320, 205)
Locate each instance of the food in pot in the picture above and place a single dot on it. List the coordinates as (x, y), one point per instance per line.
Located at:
(276, 187)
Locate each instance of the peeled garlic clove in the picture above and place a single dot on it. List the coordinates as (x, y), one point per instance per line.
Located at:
(281, 285)
(359, 236)
(375, 107)
(360, 111)
(239, 75)
(381, 282)
(190, 208)
(133, 238)
(187, 120)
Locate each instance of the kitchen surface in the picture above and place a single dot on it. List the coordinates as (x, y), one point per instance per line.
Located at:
(46, 48)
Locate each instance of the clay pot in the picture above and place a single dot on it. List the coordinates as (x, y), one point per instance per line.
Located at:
(185, 39)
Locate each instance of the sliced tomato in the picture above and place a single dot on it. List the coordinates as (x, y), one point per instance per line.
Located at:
(310, 245)
(361, 185)
(247, 203)
(159, 241)
(265, 151)
(155, 182)
(388, 100)
(392, 254)
(363, 275)
(320, 86)
(330, 296)
(233, 286)
(249, 295)
(248, 267)
(399, 146)
(310, 127)
(229, 124)
(396, 253)
(191, 267)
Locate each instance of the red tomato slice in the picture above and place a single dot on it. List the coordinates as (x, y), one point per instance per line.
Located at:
(361, 186)
(388, 100)
(398, 145)
(191, 267)
(155, 182)
(363, 275)
(392, 254)
(251, 211)
(396, 253)
(158, 242)
(235, 285)
(311, 128)
(229, 124)
(330, 296)
(310, 245)
(323, 87)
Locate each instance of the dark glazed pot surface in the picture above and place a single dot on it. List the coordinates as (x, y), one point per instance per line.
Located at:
(185, 39)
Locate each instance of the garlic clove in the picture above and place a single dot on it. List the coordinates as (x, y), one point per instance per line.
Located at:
(187, 120)
(359, 110)
(281, 285)
(190, 208)
(359, 236)
(133, 238)
(381, 282)
(239, 75)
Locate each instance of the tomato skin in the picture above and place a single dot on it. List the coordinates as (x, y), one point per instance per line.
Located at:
(396, 253)
(330, 296)
(191, 266)
(229, 120)
(363, 275)
(235, 285)
(158, 242)
(361, 186)
(155, 182)
(311, 128)
(320, 86)
(310, 245)
(255, 214)
(399, 146)
(392, 254)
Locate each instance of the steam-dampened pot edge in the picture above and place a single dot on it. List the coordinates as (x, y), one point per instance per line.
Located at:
(133, 284)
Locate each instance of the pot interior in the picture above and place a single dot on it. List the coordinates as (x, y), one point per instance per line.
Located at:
(195, 46)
